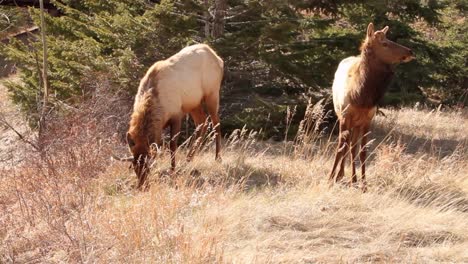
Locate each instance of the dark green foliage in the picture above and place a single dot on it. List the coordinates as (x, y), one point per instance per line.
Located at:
(278, 51)
(12, 20)
(115, 39)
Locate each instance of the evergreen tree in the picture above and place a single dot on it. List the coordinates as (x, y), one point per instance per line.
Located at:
(275, 51)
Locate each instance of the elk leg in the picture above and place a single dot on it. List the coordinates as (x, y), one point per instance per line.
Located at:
(212, 104)
(217, 126)
(196, 143)
(362, 156)
(344, 150)
(143, 173)
(354, 146)
(175, 131)
(340, 151)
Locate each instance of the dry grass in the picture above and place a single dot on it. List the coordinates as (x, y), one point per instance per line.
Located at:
(10, 115)
(265, 203)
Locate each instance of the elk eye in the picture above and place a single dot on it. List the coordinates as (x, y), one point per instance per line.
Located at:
(385, 44)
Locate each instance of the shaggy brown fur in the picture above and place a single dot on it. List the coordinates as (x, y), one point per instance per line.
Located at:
(142, 122)
(146, 116)
(360, 83)
(370, 79)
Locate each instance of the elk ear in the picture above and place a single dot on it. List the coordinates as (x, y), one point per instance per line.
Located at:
(385, 29)
(130, 141)
(380, 35)
(370, 30)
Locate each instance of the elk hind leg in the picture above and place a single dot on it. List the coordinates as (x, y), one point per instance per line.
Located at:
(196, 143)
(175, 131)
(355, 134)
(212, 105)
(362, 156)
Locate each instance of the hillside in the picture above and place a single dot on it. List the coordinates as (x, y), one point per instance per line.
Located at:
(11, 144)
(265, 203)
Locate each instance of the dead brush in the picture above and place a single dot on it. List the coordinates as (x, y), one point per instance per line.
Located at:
(159, 226)
(49, 208)
(234, 171)
(52, 193)
(420, 180)
(261, 204)
(201, 173)
(309, 135)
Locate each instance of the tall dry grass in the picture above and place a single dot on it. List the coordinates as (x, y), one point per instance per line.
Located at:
(265, 203)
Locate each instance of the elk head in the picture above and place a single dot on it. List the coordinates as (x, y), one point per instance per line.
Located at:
(139, 146)
(384, 49)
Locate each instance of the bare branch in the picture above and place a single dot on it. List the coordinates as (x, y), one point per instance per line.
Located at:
(126, 159)
(20, 136)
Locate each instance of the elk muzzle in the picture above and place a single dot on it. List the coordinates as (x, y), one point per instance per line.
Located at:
(409, 57)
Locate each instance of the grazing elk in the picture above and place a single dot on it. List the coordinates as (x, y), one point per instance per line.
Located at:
(170, 89)
(360, 82)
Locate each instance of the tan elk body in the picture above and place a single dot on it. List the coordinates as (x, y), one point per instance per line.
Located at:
(170, 89)
(360, 82)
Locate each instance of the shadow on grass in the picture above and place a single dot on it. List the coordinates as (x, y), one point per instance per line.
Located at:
(426, 239)
(444, 197)
(416, 144)
(435, 195)
(246, 176)
(250, 177)
(243, 175)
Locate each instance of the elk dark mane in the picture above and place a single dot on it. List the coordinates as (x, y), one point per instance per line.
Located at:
(371, 78)
(142, 119)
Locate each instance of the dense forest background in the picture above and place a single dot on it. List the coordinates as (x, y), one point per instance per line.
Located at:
(278, 54)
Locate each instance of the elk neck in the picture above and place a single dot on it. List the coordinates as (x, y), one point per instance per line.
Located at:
(371, 79)
(146, 119)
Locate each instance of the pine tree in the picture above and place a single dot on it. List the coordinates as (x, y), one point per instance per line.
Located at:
(275, 51)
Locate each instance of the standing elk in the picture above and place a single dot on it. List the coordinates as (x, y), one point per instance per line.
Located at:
(360, 82)
(170, 89)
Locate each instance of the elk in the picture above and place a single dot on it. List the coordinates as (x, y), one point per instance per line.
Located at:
(359, 84)
(170, 89)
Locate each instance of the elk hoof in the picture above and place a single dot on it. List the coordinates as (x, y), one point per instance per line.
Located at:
(143, 187)
(364, 187)
(353, 184)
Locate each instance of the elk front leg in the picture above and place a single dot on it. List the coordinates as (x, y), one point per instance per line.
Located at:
(355, 134)
(362, 156)
(175, 131)
(344, 149)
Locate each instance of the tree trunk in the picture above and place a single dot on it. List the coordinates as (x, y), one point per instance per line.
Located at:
(207, 16)
(45, 82)
(218, 22)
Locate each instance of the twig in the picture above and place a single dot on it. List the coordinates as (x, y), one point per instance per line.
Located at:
(45, 82)
(20, 136)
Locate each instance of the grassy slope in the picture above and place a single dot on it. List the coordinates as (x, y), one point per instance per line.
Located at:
(265, 203)
(10, 144)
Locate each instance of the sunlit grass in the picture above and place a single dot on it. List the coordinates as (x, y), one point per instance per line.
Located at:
(264, 203)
